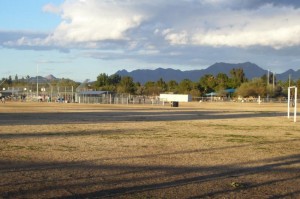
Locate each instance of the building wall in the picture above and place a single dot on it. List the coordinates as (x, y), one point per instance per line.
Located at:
(175, 97)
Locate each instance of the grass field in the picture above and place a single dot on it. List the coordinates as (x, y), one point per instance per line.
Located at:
(198, 150)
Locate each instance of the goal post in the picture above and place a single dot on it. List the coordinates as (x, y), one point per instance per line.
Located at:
(294, 102)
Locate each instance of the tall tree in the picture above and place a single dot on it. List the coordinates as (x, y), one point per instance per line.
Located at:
(114, 79)
(185, 86)
(151, 88)
(102, 80)
(161, 85)
(126, 85)
(16, 78)
(237, 77)
(172, 86)
(221, 81)
(208, 83)
(9, 81)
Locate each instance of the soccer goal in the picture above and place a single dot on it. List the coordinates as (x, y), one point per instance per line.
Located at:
(292, 102)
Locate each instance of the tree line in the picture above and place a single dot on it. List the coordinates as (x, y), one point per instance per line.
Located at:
(27, 82)
(265, 86)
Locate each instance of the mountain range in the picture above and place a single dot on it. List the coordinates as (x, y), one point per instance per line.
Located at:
(251, 71)
(41, 79)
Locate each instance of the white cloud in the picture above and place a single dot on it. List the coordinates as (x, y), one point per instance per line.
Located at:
(180, 38)
(135, 24)
(92, 21)
(271, 26)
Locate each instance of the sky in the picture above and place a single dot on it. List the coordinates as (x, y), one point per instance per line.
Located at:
(80, 39)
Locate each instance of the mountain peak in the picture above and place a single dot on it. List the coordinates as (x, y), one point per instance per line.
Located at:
(50, 77)
(251, 71)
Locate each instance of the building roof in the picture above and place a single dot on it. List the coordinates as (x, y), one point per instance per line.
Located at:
(212, 94)
(230, 90)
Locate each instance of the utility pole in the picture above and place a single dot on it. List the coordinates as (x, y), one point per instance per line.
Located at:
(268, 82)
(268, 78)
(273, 81)
(37, 81)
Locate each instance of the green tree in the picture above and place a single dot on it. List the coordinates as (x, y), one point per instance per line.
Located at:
(237, 77)
(16, 79)
(126, 85)
(161, 86)
(221, 82)
(172, 86)
(114, 79)
(151, 88)
(185, 86)
(140, 89)
(107, 83)
(102, 81)
(208, 83)
(255, 87)
(9, 81)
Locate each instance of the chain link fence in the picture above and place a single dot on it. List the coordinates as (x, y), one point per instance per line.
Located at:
(70, 95)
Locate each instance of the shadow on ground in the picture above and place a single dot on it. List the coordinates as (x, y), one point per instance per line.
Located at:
(268, 178)
(125, 116)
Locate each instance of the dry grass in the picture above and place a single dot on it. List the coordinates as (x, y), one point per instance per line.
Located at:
(199, 150)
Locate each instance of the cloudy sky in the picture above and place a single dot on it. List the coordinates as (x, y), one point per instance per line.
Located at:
(80, 39)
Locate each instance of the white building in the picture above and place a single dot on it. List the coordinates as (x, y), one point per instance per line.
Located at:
(175, 97)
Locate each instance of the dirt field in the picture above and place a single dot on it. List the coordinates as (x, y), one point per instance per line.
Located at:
(199, 150)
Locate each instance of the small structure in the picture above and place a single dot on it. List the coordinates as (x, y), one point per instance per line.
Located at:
(175, 97)
(101, 97)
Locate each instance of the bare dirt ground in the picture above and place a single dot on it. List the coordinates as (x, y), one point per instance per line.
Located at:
(198, 150)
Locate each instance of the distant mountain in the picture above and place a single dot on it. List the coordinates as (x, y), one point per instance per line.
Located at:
(251, 71)
(142, 76)
(41, 79)
(290, 73)
(50, 77)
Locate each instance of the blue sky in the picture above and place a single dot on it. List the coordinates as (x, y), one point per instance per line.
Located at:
(79, 39)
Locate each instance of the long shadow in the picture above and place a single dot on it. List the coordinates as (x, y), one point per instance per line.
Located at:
(251, 186)
(125, 116)
(99, 132)
(49, 166)
(118, 132)
(158, 177)
(112, 178)
(215, 173)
